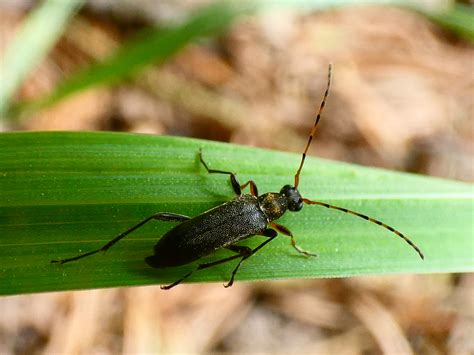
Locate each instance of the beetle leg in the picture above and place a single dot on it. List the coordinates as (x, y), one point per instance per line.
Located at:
(233, 178)
(243, 253)
(286, 231)
(241, 250)
(167, 287)
(271, 234)
(163, 216)
(253, 187)
(200, 267)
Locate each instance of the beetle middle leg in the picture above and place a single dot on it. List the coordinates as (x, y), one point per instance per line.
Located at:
(233, 178)
(271, 234)
(162, 216)
(287, 232)
(243, 253)
(200, 267)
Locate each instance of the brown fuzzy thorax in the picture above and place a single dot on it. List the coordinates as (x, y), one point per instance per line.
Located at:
(273, 205)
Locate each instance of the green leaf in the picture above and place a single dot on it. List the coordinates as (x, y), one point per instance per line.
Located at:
(458, 19)
(152, 46)
(66, 193)
(32, 42)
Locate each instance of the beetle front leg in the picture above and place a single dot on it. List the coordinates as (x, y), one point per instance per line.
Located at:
(253, 187)
(287, 232)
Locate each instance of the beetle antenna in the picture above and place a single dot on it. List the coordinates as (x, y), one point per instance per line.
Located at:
(313, 130)
(370, 219)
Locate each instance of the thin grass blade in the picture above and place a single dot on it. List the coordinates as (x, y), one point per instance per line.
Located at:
(66, 193)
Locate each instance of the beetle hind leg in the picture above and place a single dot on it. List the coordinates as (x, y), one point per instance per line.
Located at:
(162, 216)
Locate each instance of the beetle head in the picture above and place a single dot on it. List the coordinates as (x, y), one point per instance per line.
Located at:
(293, 198)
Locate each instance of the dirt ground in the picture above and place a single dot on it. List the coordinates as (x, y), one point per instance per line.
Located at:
(402, 98)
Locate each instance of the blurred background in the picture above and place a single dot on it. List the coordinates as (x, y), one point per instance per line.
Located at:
(402, 99)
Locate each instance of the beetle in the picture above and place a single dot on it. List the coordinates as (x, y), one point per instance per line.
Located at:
(223, 226)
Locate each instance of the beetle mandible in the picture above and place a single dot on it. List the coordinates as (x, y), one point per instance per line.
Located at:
(231, 222)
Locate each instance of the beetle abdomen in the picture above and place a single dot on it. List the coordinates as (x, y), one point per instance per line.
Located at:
(214, 229)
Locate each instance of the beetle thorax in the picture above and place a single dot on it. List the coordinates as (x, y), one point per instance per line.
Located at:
(273, 204)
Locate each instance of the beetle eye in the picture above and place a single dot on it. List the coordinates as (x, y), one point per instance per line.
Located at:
(293, 198)
(297, 205)
(286, 190)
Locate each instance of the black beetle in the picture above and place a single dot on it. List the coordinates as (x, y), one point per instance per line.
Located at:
(223, 226)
